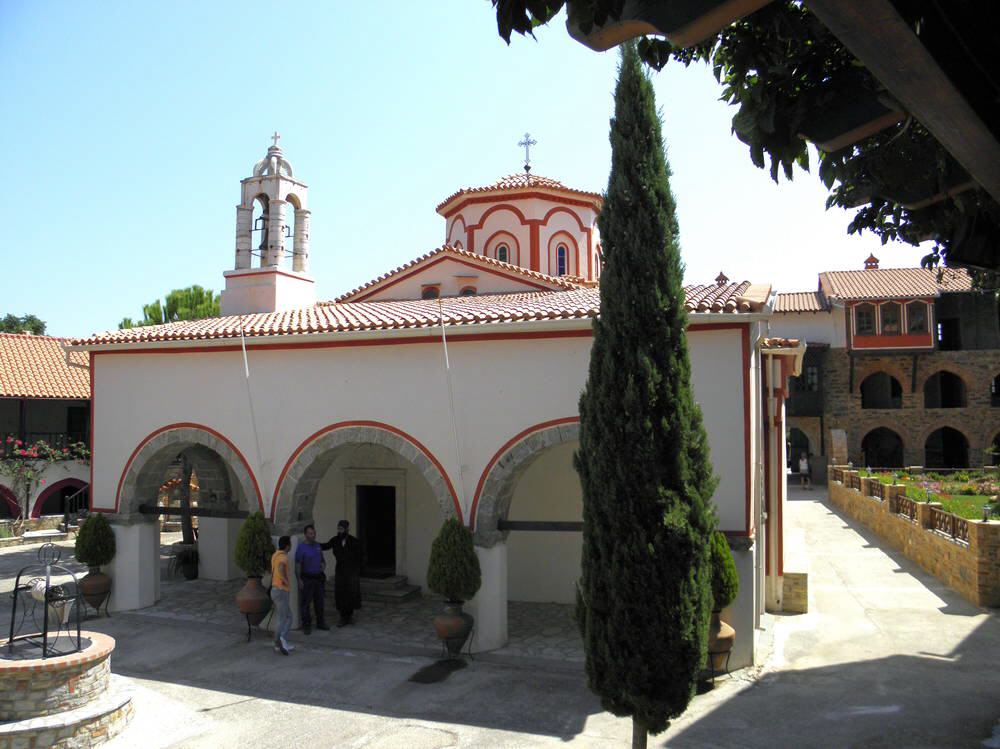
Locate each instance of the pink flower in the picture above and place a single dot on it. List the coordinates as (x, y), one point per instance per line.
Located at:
(42, 482)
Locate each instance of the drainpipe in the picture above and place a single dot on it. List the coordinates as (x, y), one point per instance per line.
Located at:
(776, 475)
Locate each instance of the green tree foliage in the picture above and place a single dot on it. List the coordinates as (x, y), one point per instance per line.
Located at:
(95, 541)
(725, 578)
(24, 324)
(780, 67)
(643, 459)
(192, 303)
(453, 570)
(254, 547)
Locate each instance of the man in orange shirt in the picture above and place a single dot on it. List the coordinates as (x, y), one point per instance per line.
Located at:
(280, 591)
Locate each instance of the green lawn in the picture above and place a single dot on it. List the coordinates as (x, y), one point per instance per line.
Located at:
(942, 490)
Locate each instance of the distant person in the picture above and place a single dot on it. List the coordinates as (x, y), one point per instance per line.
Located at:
(805, 473)
(280, 592)
(347, 576)
(310, 566)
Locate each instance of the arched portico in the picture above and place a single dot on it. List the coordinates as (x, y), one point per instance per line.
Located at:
(226, 482)
(53, 491)
(539, 565)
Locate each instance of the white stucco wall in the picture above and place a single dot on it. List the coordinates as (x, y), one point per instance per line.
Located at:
(812, 327)
(548, 490)
(53, 474)
(452, 276)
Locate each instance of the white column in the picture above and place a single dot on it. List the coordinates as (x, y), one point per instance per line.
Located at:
(135, 570)
(489, 606)
(216, 547)
(300, 261)
(244, 215)
(275, 231)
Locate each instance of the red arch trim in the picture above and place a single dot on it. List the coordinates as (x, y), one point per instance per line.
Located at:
(506, 446)
(562, 209)
(515, 247)
(8, 496)
(378, 425)
(494, 209)
(184, 425)
(36, 511)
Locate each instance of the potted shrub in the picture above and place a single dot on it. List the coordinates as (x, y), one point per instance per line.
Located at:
(725, 586)
(453, 572)
(253, 556)
(95, 547)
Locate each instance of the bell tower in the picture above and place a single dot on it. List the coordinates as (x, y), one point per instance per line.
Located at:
(261, 280)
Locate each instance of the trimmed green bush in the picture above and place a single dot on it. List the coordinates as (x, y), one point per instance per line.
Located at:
(453, 570)
(95, 541)
(725, 578)
(253, 545)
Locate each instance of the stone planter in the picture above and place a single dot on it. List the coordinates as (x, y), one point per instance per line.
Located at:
(95, 587)
(453, 626)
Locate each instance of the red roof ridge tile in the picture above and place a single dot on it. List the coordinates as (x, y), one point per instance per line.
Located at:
(467, 255)
(518, 181)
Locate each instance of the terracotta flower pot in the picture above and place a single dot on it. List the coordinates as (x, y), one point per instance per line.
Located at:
(252, 601)
(453, 626)
(721, 638)
(95, 586)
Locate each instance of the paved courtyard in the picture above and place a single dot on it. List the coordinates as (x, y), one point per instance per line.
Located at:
(887, 657)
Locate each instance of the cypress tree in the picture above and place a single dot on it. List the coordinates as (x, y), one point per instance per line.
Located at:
(645, 594)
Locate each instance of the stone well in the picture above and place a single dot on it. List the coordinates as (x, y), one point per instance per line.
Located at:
(62, 701)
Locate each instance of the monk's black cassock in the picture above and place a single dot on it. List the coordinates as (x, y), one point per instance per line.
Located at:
(347, 577)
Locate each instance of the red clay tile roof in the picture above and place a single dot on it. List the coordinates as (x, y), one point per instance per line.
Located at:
(516, 182)
(893, 283)
(34, 366)
(564, 282)
(801, 301)
(779, 343)
(487, 309)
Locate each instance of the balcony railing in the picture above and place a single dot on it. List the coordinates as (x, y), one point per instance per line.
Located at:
(950, 525)
(59, 440)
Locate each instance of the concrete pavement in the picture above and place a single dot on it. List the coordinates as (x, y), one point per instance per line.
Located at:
(887, 657)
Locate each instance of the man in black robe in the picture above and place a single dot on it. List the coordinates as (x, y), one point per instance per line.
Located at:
(347, 577)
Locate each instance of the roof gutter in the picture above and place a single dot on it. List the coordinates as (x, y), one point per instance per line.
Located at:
(455, 332)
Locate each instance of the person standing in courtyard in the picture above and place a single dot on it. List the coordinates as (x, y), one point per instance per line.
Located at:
(280, 592)
(805, 473)
(347, 576)
(309, 566)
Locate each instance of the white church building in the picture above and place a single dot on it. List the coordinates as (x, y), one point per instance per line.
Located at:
(447, 387)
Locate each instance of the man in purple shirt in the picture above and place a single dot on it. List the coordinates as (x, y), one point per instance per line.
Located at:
(309, 566)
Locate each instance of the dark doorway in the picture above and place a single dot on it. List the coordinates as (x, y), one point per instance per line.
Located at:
(881, 390)
(377, 529)
(946, 448)
(882, 448)
(798, 444)
(944, 390)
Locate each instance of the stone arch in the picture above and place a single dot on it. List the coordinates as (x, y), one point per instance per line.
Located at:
(291, 505)
(496, 485)
(883, 447)
(955, 427)
(9, 502)
(945, 389)
(222, 469)
(48, 491)
(867, 369)
(880, 389)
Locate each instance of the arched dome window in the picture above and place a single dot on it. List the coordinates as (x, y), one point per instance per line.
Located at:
(503, 253)
(561, 254)
(467, 291)
(430, 292)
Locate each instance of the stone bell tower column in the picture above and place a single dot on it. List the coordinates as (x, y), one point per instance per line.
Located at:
(261, 280)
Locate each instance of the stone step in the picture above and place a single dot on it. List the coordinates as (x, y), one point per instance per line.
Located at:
(392, 595)
(383, 583)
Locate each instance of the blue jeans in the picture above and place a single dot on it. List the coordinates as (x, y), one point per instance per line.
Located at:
(282, 613)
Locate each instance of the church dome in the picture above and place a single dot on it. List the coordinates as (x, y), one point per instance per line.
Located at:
(519, 182)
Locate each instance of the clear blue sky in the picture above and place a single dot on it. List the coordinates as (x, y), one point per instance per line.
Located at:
(128, 126)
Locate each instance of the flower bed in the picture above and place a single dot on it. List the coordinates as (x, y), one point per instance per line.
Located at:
(960, 492)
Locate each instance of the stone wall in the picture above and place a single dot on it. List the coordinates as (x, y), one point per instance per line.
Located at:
(970, 568)
(978, 421)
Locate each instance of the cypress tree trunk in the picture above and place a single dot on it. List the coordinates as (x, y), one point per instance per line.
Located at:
(645, 593)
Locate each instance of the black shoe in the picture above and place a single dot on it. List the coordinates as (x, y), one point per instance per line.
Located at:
(323, 627)
(279, 648)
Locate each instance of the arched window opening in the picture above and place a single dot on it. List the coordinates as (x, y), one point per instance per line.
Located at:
(891, 318)
(864, 319)
(561, 254)
(430, 292)
(944, 390)
(995, 392)
(882, 448)
(995, 451)
(503, 253)
(258, 231)
(467, 291)
(880, 390)
(946, 448)
(797, 445)
(916, 318)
